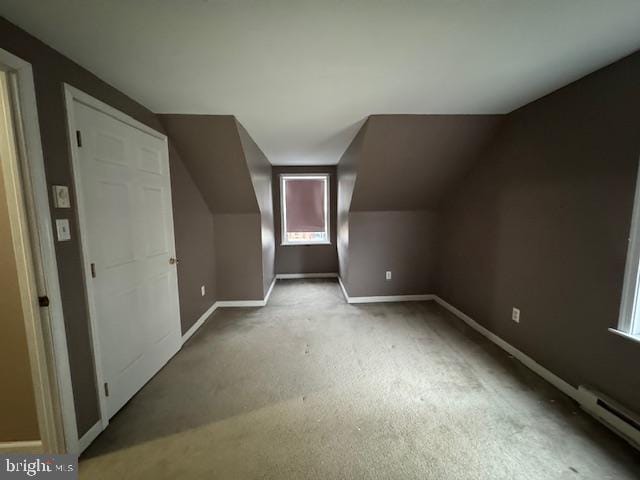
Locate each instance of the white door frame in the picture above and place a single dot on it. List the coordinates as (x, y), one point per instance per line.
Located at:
(73, 94)
(46, 337)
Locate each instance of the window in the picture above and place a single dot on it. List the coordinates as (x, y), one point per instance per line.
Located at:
(305, 209)
(629, 321)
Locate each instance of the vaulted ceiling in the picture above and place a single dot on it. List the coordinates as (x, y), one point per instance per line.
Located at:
(301, 75)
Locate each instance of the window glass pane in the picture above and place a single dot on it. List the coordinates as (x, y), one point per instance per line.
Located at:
(306, 237)
(305, 205)
(304, 212)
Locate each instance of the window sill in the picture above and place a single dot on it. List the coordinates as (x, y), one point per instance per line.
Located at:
(628, 336)
(304, 244)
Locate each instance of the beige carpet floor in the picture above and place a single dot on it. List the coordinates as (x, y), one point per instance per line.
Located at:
(310, 387)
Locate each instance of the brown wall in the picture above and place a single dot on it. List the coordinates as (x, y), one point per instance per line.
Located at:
(403, 242)
(306, 258)
(234, 178)
(18, 416)
(193, 225)
(392, 179)
(238, 257)
(409, 161)
(542, 223)
(211, 149)
(51, 70)
(346, 173)
(260, 171)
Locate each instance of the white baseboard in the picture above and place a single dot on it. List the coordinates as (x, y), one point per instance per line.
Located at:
(530, 363)
(194, 328)
(273, 284)
(95, 430)
(34, 446)
(344, 290)
(391, 298)
(563, 386)
(384, 298)
(90, 436)
(585, 400)
(240, 303)
(556, 381)
(288, 276)
(248, 303)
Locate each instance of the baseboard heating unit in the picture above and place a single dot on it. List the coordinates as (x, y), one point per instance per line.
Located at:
(609, 412)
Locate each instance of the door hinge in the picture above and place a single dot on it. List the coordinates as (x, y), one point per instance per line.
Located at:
(43, 301)
(93, 270)
(78, 138)
(106, 389)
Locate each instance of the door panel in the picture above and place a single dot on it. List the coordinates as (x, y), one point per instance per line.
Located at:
(154, 215)
(110, 148)
(122, 311)
(159, 295)
(114, 204)
(150, 161)
(127, 217)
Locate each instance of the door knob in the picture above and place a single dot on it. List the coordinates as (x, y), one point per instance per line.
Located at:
(173, 261)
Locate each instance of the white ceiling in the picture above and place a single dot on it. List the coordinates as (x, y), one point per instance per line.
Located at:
(301, 75)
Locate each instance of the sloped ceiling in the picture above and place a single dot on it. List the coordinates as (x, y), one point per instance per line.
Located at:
(211, 149)
(259, 169)
(301, 74)
(407, 162)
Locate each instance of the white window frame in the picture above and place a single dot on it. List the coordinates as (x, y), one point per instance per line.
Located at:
(629, 320)
(283, 207)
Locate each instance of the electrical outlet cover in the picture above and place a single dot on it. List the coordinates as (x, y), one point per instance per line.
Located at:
(515, 315)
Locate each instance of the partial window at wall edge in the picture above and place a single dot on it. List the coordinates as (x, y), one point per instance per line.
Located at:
(629, 319)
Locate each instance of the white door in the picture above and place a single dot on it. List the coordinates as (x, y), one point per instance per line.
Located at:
(126, 213)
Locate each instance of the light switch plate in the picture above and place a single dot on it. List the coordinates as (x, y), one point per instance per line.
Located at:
(61, 196)
(63, 230)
